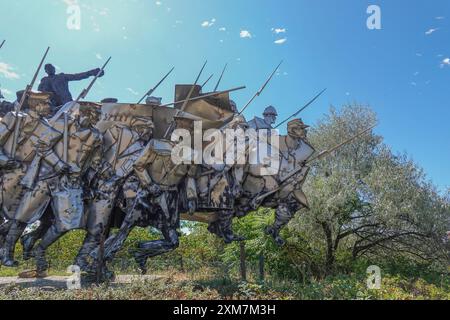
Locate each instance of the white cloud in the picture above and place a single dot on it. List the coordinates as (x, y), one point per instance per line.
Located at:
(279, 30)
(430, 31)
(207, 24)
(222, 29)
(158, 3)
(245, 34)
(280, 41)
(132, 91)
(445, 62)
(6, 91)
(7, 71)
(440, 18)
(98, 56)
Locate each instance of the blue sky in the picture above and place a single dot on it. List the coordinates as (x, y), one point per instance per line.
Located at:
(402, 70)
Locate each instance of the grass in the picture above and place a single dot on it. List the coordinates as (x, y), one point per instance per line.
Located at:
(185, 286)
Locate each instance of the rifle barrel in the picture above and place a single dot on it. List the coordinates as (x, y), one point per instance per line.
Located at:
(84, 93)
(149, 92)
(207, 80)
(3, 42)
(212, 94)
(258, 93)
(303, 108)
(221, 76)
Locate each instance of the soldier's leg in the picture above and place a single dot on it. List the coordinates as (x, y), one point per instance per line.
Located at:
(89, 244)
(52, 235)
(4, 228)
(223, 227)
(154, 248)
(283, 214)
(7, 252)
(29, 239)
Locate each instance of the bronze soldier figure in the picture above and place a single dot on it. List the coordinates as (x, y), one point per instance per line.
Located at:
(58, 84)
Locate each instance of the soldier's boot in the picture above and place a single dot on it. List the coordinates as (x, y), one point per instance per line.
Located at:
(154, 248)
(7, 252)
(40, 251)
(225, 223)
(29, 240)
(41, 261)
(283, 215)
(89, 244)
(4, 228)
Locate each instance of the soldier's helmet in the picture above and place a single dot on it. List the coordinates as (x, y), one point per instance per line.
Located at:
(296, 128)
(270, 111)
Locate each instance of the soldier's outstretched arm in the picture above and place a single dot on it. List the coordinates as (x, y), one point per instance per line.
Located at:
(81, 76)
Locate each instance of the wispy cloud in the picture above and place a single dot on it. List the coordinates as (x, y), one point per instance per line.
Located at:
(98, 56)
(245, 34)
(280, 41)
(208, 23)
(278, 30)
(445, 62)
(132, 91)
(158, 3)
(430, 31)
(7, 71)
(440, 18)
(222, 29)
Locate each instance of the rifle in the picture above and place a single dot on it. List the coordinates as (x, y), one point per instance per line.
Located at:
(85, 91)
(221, 76)
(18, 107)
(207, 80)
(150, 92)
(303, 108)
(3, 42)
(187, 98)
(258, 93)
(319, 156)
(212, 94)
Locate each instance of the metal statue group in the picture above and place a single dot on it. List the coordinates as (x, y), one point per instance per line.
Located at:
(70, 164)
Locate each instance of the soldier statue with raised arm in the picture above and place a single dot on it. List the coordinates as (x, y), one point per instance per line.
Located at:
(58, 84)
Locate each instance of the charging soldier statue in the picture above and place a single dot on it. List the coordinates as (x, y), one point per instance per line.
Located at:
(81, 149)
(35, 140)
(123, 143)
(155, 194)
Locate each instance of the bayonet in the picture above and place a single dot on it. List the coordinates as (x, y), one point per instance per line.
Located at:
(221, 76)
(207, 80)
(303, 108)
(18, 106)
(258, 93)
(85, 92)
(150, 92)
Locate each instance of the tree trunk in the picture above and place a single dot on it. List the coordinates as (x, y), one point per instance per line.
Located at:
(330, 255)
